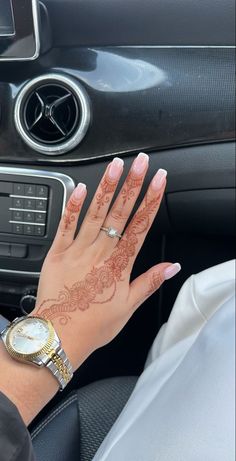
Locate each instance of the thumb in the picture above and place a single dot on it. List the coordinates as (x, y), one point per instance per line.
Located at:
(146, 284)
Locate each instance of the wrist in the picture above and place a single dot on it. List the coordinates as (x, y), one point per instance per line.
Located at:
(73, 339)
(28, 387)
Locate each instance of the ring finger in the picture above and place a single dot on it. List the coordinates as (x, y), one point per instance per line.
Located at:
(99, 206)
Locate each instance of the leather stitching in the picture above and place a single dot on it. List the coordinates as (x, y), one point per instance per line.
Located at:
(53, 415)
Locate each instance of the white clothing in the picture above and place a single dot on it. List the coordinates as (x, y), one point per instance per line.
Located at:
(182, 408)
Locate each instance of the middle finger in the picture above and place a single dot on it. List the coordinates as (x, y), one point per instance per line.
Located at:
(123, 205)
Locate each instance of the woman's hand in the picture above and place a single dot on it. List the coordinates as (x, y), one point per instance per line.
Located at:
(85, 285)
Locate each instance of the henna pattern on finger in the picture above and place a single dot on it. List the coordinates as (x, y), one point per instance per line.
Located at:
(155, 282)
(132, 182)
(83, 293)
(106, 188)
(73, 207)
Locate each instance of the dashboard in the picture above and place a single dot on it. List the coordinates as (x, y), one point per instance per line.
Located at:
(88, 94)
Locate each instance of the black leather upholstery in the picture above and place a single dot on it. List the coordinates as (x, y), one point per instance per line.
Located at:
(75, 429)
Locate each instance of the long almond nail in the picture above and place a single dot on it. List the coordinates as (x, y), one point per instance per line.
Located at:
(171, 271)
(79, 191)
(115, 168)
(159, 179)
(140, 164)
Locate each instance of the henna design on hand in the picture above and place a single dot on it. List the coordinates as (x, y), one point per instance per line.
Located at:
(72, 208)
(154, 283)
(107, 187)
(132, 182)
(86, 292)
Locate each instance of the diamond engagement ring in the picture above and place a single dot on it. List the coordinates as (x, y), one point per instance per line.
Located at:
(111, 232)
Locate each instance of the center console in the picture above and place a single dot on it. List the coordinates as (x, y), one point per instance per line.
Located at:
(31, 204)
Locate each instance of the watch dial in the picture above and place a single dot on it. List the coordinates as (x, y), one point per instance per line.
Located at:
(29, 336)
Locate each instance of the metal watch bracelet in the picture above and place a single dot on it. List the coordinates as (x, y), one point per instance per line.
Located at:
(60, 367)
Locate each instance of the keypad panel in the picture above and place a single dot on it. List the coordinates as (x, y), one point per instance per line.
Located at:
(28, 209)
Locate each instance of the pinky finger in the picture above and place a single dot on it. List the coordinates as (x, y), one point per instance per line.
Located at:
(68, 223)
(149, 282)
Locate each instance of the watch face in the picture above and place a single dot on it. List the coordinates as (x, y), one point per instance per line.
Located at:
(29, 336)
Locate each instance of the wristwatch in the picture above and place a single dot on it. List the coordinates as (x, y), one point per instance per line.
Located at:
(34, 340)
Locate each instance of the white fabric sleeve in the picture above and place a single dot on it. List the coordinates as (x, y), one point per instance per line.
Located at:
(200, 296)
(182, 407)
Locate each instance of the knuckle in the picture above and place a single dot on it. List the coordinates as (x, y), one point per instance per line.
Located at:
(119, 215)
(93, 217)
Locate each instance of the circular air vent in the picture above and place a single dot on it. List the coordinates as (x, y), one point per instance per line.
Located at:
(52, 114)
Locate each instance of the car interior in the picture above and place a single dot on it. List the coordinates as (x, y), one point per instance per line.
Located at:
(82, 82)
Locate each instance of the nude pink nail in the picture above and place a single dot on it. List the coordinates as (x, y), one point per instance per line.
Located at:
(159, 179)
(79, 191)
(171, 271)
(140, 164)
(115, 168)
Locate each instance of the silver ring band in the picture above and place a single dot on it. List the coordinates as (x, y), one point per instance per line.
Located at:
(111, 232)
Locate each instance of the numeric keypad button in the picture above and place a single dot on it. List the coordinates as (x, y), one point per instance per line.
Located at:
(29, 216)
(29, 204)
(19, 189)
(40, 218)
(18, 202)
(30, 190)
(39, 231)
(17, 228)
(28, 229)
(42, 191)
(41, 205)
(17, 215)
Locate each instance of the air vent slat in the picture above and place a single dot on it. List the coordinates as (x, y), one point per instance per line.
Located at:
(61, 100)
(35, 121)
(52, 114)
(41, 101)
(62, 130)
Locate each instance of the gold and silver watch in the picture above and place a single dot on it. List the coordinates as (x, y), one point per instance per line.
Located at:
(34, 340)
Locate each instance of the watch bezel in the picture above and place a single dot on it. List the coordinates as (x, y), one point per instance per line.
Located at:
(46, 349)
